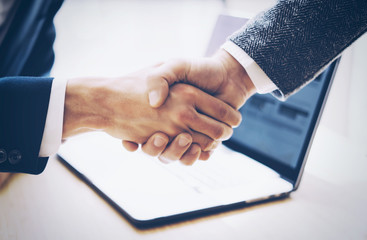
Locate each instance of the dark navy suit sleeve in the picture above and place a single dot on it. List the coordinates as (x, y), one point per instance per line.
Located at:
(26, 51)
(23, 110)
(295, 39)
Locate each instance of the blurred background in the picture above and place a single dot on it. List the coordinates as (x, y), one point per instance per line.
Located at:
(118, 36)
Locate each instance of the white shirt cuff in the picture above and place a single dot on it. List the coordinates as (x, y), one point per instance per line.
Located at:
(260, 80)
(52, 133)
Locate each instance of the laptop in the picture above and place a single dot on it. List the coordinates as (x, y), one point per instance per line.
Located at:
(263, 160)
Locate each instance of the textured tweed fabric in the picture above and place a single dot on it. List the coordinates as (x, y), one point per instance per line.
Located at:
(294, 40)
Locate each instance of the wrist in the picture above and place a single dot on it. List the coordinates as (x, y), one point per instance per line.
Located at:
(81, 111)
(234, 70)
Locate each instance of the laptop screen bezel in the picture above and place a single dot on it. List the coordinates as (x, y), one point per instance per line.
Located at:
(293, 175)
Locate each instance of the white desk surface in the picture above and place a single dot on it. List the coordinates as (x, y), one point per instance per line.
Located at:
(330, 203)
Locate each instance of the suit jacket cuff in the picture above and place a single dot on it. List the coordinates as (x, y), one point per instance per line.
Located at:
(52, 134)
(258, 77)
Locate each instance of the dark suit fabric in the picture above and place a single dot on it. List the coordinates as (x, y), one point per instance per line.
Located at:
(26, 51)
(23, 109)
(295, 39)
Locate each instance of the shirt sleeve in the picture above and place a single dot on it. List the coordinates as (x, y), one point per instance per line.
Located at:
(52, 134)
(258, 77)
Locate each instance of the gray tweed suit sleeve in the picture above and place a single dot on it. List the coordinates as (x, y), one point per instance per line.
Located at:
(294, 40)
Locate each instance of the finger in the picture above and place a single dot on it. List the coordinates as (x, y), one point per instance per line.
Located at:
(157, 91)
(202, 140)
(177, 148)
(215, 145)
(217, 109)
(130, 146)
(205, 142)
(155, 144)
(208, 126)
(205, 155)
(191, 155)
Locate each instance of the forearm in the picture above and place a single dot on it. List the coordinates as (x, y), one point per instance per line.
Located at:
(116, 106)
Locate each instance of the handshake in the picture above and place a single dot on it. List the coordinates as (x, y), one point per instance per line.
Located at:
(178, 110)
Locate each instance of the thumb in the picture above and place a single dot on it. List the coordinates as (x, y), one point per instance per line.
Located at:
(165, 75)
(157, 92)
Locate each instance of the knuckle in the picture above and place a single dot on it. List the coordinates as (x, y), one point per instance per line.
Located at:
(223, 112)
(178, 88)
(185, 90)
(218, 132)
(181, 116)
(162, 83)
(155, 79)
(203, 141)
(178, 62)
(187, 115)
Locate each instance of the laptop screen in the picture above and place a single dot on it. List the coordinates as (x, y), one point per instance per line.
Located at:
(278, 133)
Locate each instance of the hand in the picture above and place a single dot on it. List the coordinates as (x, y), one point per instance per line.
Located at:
(157, 146)
(119, 107)
(221, 75)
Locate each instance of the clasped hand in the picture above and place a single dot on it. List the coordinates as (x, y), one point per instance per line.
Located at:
(180, 109)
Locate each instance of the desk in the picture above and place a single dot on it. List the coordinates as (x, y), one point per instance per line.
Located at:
(331, 200)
